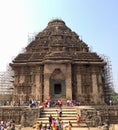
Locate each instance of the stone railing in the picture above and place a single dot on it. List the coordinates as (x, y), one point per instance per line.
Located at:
(21, 115)
(97, 115)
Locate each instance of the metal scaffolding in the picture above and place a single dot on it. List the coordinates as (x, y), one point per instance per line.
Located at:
(6, 84)
(107, 78)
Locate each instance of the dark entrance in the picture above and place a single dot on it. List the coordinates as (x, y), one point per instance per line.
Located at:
(57, 89)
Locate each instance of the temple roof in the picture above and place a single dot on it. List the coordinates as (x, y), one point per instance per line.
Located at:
(57, 42)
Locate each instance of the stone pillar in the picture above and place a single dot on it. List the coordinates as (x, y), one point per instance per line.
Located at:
(100, 89)
(95, 88)
(68, 82)
(100, 83)
(37, 89)
(46, 81)
(79, 86)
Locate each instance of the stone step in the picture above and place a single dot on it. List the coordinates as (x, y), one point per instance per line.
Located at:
(74, 124)
(68, 114)
(54, 115)
(63, 105)
(63, 118)
(64, 112)
(54, 110)
(67, 107)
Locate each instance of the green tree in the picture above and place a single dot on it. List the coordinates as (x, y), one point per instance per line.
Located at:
(114, 97)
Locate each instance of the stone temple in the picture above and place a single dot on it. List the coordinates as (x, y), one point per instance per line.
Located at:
(58, 64)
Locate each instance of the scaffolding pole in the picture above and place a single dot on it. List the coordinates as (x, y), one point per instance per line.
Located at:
(6, 82)
(108, 79)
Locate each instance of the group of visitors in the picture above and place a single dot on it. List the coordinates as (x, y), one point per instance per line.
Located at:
(7, 125)
(4, 102)
(34, 103)
(53, 103)
(55, 123)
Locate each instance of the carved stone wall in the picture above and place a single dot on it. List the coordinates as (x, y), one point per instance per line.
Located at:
(21, 115)
(28, 83)
(57, 47)
(87, 84)
(51, 72)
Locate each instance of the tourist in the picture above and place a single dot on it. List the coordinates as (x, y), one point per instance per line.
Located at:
(9, 127)
(5, 124)
(59, 103)
(30, 103)
(67, 102)
(8, 124)
(48, 100)
(110, 102)
(54, 103)
(62, 124)
(34, 103)
(49, 128)
(60, 111)
(53, 123)
(42, 128)
(50, 120)
(37, 125)
(38, 102)
(73, 102)
(65, 126)
(59, 125)
(45, 126)
(44, 104)
(57, 114)
(2, 125)
(48, 104)
(78, 119)
(69, 125)
(13, 127)
(40, 125)
(107, 122)
(70, 103)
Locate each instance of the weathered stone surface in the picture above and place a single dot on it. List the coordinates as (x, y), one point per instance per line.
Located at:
(57, 47)
(21, 115)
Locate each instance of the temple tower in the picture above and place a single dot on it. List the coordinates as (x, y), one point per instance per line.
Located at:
(59, 65)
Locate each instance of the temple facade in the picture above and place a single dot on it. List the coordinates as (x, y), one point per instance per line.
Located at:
(58, 64)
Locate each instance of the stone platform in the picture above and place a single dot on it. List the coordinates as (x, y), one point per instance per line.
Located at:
(27, 116)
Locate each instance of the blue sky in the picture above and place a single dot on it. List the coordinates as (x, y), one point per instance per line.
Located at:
(95, 21)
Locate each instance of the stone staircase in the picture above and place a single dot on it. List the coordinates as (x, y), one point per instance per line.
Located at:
(69, 114)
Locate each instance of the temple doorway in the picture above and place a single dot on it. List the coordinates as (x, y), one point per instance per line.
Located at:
(57, 89)
(57, 85)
